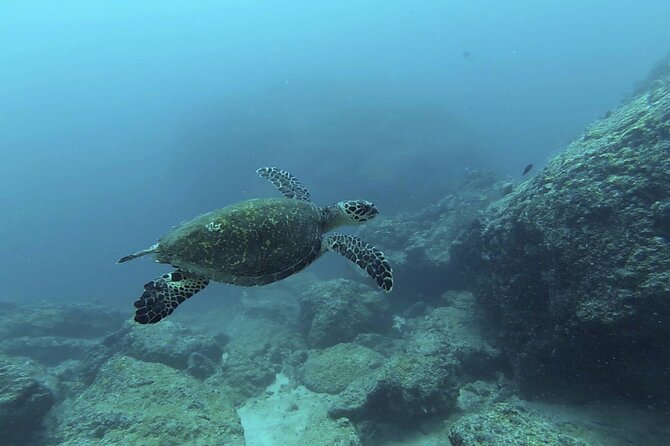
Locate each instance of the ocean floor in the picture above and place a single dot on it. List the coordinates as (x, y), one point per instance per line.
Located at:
(108, 381)
(287, 414)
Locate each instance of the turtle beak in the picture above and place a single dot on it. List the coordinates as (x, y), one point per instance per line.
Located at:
(370, 211)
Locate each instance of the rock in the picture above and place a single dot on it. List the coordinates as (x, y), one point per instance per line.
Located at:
(331, 370)
(461, 333)
(48, 350)
(384, 345)
(572, 266)
(477, 394)
(277, 302)
(200, 366)
(257, 350)
(406, 389)
(337, 310)
(24, 402)
(169, 343)
(504, 425)
(134, 402)
(67, 320)
(418, 245)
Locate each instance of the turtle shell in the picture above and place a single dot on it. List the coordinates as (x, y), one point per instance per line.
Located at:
(253, 242)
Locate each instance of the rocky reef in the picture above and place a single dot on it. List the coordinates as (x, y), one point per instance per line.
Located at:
(25, 399)
(504, 424)
(574, 265)
(534, 313)
(419, 244)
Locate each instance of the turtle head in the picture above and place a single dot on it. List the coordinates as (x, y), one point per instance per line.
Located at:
(350, 212)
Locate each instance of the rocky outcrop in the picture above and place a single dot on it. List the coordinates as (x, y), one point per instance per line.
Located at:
(505, 424)
(573, 266)
(24, 401)
(53, 333)
(407, 388)
(337, 310)
(438, 353)
(135, 402)
(66, 320)
(169, 343)
(418, 245)
(457, 331)
(331, 370)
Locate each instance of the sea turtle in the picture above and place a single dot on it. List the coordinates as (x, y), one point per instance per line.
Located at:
(256, 242)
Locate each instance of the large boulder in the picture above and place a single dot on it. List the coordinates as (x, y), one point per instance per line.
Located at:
(406, 389)
(135, 402)
(24, 401)
(169, 343)
(574, 266)
(458, 331)
(336, 311)
(331, 370)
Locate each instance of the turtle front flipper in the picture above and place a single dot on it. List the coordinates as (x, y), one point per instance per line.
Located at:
(366, 256)
(162, 295)
(285, 182)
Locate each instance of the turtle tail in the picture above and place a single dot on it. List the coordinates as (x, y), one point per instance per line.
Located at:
(137, 254)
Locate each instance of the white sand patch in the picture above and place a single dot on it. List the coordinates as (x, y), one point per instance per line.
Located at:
(288, 415)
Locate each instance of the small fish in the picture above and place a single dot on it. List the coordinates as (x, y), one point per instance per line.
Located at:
(466, 54)
(527, 169)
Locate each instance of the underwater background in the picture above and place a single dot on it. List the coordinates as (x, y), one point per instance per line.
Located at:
(528, 309)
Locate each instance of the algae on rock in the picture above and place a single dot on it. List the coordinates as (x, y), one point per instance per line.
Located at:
(573, 265)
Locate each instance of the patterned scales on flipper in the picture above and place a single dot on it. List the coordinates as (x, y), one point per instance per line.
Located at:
(161, 296)
(285, 182)
(366, 256)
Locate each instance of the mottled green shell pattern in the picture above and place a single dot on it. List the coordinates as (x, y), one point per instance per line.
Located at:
(254, 242)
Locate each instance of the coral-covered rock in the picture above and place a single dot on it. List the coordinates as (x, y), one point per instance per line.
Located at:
(48, 350)
(408, 388)
(418, 245)
(503, 425)
(24, 401)
(458, 331)
(135, 402)
(68, 320)
(169, 343)
(337, 310)
(574, 265)
(332, 369)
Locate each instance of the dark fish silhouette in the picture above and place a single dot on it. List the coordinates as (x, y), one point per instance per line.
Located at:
(466, 54)
(527, 169)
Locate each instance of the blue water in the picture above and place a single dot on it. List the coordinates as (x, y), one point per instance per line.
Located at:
(121, 119)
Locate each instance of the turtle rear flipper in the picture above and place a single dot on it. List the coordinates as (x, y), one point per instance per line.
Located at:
(285, 182)
(366, 256)
(162, 295)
